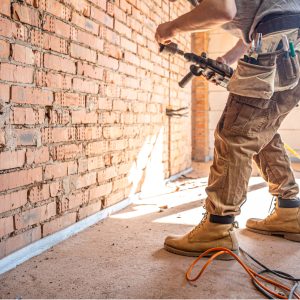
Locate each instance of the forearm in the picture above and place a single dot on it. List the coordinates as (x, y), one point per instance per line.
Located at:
(235, 53)
(207, 15)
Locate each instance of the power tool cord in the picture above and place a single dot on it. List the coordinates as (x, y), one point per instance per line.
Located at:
(277, 273)
(215, 252)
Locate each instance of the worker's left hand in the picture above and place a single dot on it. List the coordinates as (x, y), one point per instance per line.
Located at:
(164, 33)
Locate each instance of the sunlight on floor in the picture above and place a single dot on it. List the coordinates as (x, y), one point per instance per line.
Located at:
(193, 192)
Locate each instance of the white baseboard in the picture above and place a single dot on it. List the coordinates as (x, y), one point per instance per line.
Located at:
(13, 260)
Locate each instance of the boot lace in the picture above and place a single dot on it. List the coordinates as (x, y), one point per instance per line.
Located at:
(204, 218)
(272, 207)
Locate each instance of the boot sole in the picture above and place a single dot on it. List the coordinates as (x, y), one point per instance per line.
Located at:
(224, 256)
(295, 237)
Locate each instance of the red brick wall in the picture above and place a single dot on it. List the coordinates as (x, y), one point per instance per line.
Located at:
(83, 94)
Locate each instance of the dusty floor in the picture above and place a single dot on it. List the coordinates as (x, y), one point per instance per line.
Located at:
(122, 257)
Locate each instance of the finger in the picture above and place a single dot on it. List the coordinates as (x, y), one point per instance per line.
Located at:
(221, 60)
(166, 42)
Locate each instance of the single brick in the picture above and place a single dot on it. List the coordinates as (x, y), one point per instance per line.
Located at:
(55, 188)
(2, 138)
(55, 8)
(85, 86)
(51, 42)
(102, 17)
(96, 162)
(39, 193)
(53, 80)
(6, 226)
(59, 223)
(113, 51)
(108, 62)
(82, 7)
(96, 148)
(15, 73)
(89, 210)
(5, 7)
(114, 132)
(125, 6)
(91, 71)
(13, 200)
(35, 215)
(132, 58)
(4, 92)
(4, 49)
(104, 104)
(27, 116)
(118, 145)
(69, 99)
(12, 159)
(20, 178)
(123, 29)
(83, 117)
(120, 184)
(27, 137)
(26, 14)
(56, 170)
(60, 28)
(58, 63)
(106, 174)
(100, 191)
(66, 151)
(7, 27)
(81, 52)
(114, 198)
(100, 3)
(82, 165)
(85, 180)
(37, 155)
(128, 45)
(23, 54)
(90, 40)
(19, 241)
(85, 23)
(72, 167)
(75, 200)
(56, 135)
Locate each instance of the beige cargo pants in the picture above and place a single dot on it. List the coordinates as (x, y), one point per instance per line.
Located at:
(247, 131)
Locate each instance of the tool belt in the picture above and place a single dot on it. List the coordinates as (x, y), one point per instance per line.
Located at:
(277, 22)
(273, 71)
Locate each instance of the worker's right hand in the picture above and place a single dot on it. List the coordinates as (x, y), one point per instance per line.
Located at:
(164, 33)
(222, 60)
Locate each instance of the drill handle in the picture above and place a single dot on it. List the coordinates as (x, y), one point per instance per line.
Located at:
(186, 79)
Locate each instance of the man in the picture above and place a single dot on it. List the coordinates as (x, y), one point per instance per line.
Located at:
(248, 127)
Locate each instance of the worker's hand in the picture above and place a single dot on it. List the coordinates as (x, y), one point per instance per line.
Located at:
(164, 33)
(222, 60)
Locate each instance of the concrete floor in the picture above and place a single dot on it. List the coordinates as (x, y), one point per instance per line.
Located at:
(122, 257)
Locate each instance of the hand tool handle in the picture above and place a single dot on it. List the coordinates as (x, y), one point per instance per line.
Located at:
(186, 79)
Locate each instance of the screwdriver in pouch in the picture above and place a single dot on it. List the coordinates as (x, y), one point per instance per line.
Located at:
(292, 49)
(286, 46)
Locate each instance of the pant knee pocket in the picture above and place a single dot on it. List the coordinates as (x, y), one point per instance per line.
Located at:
(246, 113)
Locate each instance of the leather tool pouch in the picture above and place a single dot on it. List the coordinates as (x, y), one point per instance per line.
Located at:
(257, 81)
(275, 72)
(288, 72)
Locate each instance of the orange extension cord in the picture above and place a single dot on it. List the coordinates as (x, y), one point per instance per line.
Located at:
(219, 251)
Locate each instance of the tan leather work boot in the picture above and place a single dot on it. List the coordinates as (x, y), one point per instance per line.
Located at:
(283, 221)
(213, 231)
